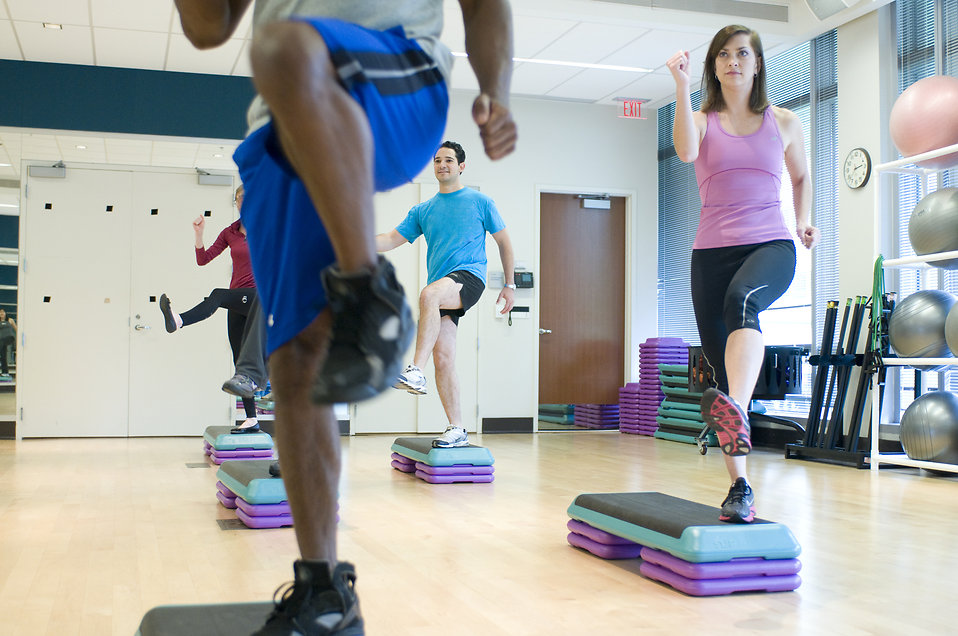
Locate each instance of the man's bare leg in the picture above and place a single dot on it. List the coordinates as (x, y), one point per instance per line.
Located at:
(447, 379)
(324, 133)
(307, 438)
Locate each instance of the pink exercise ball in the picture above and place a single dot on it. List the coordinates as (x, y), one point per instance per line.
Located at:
(925, 118)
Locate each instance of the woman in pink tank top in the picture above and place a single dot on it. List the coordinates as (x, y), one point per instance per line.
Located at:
(743, 258)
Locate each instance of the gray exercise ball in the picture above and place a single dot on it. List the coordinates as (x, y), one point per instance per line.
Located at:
(929, 428)
(951, 329)
(917, 326)
(933, 226)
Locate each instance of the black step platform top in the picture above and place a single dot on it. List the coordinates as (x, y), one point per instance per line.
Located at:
(422, 444)
(655, 511)
(230, 619)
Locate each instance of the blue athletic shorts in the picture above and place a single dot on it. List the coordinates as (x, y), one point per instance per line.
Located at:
(406, 102)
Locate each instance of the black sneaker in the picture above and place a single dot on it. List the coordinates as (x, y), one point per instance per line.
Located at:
(167, 313)
(739, 506)
(317, 603)
(240, 386)
(372, 328)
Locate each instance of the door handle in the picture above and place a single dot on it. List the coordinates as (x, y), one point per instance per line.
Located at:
(544, 331)
(142, 327)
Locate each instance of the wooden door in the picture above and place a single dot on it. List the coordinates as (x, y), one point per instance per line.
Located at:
(581, 301)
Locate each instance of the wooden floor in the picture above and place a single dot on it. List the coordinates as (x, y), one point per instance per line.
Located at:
(94, 532)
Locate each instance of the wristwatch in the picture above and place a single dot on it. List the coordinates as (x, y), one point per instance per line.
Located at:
(510, 285)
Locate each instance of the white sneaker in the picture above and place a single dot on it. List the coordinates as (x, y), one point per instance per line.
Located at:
(452, 437)
(412, 380)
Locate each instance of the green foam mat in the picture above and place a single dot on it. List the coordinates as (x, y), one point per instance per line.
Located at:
(681, 414)
(251, 481)
(553, 409)
(674, 380)
(671, 390)
(420, 449)
(557, 419)
(675, 437)
(674, 369)
(673, 422)
(220, 438)
(688, 530)
(227, 619)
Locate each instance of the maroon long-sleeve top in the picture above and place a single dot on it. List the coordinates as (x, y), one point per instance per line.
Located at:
(233, 238)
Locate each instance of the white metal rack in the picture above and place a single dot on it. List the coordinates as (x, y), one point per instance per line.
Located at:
(908, 165)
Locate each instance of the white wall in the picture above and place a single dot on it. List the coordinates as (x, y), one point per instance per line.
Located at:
(562, 146)
(862, 122)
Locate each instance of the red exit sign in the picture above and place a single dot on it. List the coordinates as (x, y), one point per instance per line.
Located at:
(631, 109)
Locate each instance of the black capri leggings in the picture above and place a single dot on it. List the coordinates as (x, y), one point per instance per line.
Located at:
(237, 303)
(730, 287)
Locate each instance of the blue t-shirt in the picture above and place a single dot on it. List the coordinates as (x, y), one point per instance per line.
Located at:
(454, 225)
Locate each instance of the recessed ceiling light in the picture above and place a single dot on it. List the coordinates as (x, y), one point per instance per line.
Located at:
(601, 67)
(5, 165)
(53, 25)
(217, 155)
(81, 147)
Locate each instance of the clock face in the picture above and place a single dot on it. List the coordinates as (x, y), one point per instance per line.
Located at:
(858, 167)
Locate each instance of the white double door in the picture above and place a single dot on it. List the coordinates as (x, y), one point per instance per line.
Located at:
(98, 248)
(398, 411)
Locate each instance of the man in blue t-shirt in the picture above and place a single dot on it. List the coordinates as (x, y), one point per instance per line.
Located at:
(454, 224)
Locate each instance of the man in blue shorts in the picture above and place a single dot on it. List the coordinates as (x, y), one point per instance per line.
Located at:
(454, 224)
(352, 98)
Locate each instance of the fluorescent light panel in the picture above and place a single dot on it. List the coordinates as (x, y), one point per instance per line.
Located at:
(601, 67)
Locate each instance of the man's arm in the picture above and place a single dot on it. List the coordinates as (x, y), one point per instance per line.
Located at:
(389, 240)
(488, 26)
(508, 268)
(209, 23)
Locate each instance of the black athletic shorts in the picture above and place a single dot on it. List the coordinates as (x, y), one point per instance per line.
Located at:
(472, 288)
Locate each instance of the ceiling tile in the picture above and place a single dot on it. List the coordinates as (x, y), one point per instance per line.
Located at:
(141, 15)
(72, 45)
(242, 65)
(537, 79)
(186, 58)
(652, 49)
(651, 86)
(590, 42)
(462, 76)
(593, 84)
(533, 34)
(9, 48)
(135, 152)
(130, 49)
(75, 12)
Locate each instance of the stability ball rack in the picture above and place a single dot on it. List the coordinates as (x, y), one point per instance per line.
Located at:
(908, 165)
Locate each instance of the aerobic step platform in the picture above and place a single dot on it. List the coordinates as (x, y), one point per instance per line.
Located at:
(466, 464)
(227, 619)
(684, 545)
(220, 444)
(258, 498)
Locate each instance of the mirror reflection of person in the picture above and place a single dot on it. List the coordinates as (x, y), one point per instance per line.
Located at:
(454, 225)
(8, 338)
(237, 300)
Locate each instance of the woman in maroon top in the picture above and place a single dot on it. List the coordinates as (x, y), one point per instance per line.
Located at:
(237, 300)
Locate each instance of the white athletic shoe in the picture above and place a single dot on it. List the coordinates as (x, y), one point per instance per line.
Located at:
(412, 380)
(452, 437)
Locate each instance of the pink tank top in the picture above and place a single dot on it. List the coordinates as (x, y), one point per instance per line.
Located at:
(740, 180)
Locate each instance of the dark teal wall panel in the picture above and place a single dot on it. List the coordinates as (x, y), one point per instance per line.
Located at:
(103, 99)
